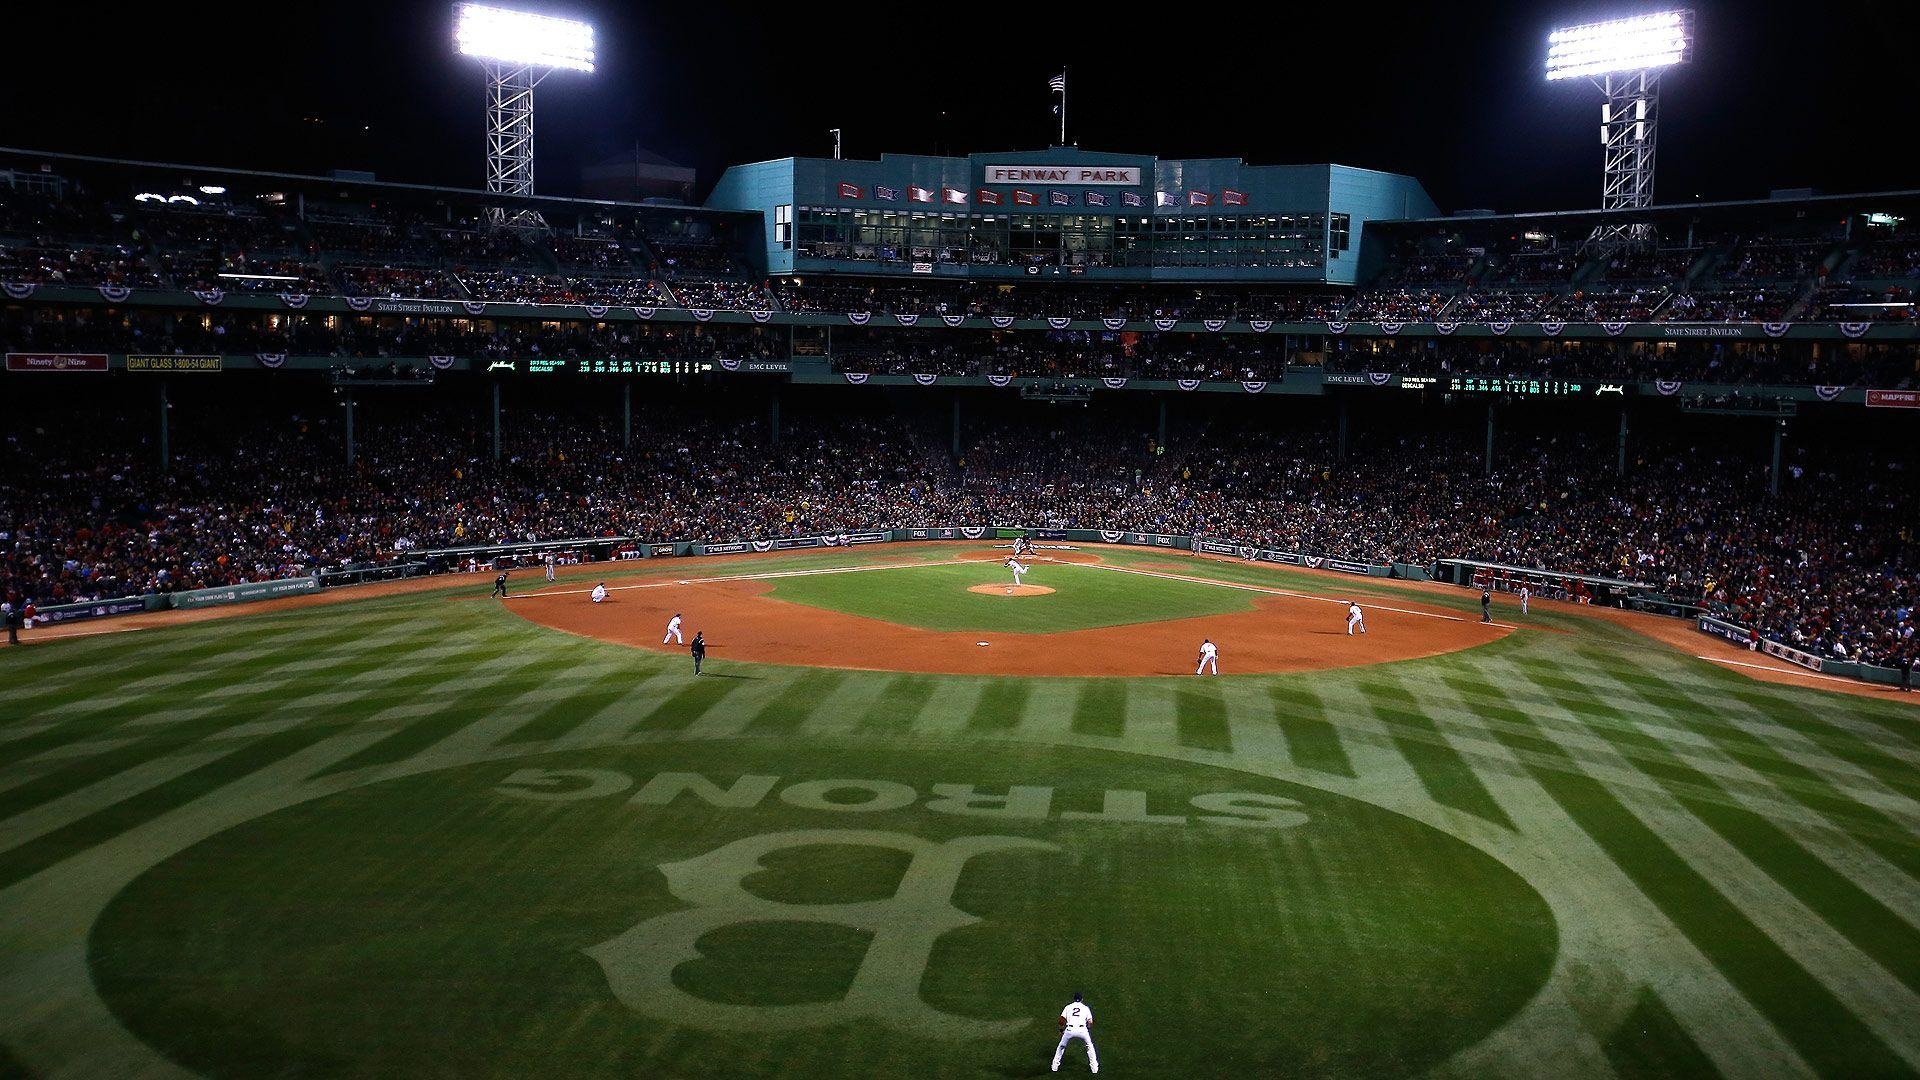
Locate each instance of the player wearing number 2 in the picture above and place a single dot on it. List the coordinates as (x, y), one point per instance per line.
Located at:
(1076, 1022)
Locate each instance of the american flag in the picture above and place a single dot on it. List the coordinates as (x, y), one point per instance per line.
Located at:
(1094, 198)
(1131, 198)
(1058, 83)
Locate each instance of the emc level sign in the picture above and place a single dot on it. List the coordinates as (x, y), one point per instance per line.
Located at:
(1062, 174)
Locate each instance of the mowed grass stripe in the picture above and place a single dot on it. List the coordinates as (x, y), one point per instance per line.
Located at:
(1897, 775)
(1101, 709)
(1883, 834)
(1443, 771)
(477, 702)
(183, 674)
(1778, 782)
(1650, 1042)
(1313, 742)
(1808, 1015)
(686, 705)
(1583, 725)
(1855, 914)
(203, 694)
(1200, 713)
(1002, 704)
(1711, 719)
(900, 701)
(787, 710)
(562, 717)
(128, 814)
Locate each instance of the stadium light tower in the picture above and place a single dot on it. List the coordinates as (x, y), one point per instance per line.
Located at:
(520, 49)
(1624, 58)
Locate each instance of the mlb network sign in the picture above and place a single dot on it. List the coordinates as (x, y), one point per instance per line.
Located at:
(1062, 174)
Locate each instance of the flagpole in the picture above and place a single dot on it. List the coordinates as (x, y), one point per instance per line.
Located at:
(1063, 106)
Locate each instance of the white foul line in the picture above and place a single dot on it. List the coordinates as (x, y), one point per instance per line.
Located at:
(769, 575)
(1796, 672)
(1281, 592)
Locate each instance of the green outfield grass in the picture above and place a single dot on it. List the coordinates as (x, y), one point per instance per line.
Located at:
(421, 836)
(936, 598)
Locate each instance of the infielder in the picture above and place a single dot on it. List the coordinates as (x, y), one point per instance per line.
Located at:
(673, 631)
(1525, 595)
(500, 585)
(1076, 1022)
(1019, 570)
(1355, 618)
(1209, 658)
(600, 595)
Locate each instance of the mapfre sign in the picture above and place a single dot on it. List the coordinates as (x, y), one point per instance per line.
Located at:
(1061, 174)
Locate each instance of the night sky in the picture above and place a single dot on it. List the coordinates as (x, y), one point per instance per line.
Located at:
(1807, 94)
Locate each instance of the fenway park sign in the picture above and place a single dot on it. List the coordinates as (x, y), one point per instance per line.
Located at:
(1062, 174)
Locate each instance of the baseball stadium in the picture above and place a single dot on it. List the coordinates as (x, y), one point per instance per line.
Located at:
(845, 616)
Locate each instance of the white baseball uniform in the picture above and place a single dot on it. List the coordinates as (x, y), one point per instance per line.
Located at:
(673, 632)
(1209, 658)
(549, 568)
(1079, 1025)
(600, 594)
(1355, 619)
(1018, 569)
(1525, 595)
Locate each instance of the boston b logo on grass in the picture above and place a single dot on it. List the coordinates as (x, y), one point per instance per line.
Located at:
(904, 927)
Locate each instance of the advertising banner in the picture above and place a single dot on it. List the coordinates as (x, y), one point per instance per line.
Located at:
(163, 362)
(36, 361)
(99, 609)
(240, 594)
(1886, 399)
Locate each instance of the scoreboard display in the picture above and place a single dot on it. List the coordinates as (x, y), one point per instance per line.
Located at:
(1482, 384)
(612, 366)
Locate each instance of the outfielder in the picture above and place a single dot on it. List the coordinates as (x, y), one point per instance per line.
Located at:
(1526, 594)
(1076, 1022)
(1209, 658)
(1354, 618)
(549, 566)
(600, 595)
(1019, 570)
(673, 631)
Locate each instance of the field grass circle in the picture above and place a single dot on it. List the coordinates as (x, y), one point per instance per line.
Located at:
(458, 922)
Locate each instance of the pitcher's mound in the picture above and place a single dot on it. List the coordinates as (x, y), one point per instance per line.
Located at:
(1010, 590)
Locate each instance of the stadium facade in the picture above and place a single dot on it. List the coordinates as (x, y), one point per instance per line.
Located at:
(1067, 211)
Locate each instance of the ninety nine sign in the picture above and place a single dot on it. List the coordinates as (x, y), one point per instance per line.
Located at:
(34, 361)
(1062, 174)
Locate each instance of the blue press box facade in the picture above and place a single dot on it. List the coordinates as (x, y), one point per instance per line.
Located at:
(1069, 212)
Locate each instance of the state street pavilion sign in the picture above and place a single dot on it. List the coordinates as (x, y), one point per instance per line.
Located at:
(1062, 174)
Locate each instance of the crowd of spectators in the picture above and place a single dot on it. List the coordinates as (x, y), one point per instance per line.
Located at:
(85, 512)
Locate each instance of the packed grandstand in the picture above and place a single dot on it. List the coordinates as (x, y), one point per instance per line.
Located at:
(308, 294)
